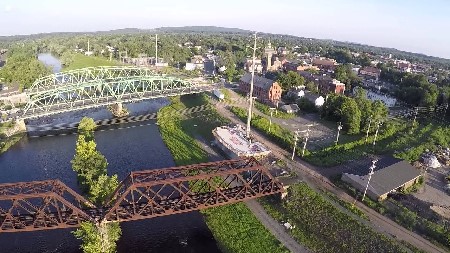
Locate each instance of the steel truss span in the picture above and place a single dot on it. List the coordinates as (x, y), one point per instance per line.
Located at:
(100, 86)
(144, 194)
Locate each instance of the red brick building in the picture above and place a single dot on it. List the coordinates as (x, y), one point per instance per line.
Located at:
(370, 72)
(265, 90)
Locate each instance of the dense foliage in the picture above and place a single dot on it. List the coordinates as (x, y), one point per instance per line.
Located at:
(23, 67)
(98, 238)
(290, 80)
(354, 113)
(322, 227)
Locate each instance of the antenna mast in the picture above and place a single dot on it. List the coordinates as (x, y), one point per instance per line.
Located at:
(156, 49)
(249, 118)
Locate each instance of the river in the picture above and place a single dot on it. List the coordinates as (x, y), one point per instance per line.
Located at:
(126, 149)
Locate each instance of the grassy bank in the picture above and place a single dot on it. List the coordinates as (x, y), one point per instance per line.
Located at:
(322, 227)
(5, 144)
(82, 61)
(235, 228)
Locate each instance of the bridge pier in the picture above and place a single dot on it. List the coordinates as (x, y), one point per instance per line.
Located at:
(118, 110)
(18, 127)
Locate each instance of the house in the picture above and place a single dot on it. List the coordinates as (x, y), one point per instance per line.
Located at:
(298, 66)
(370, 73)
(390, 175)
(329, 85)
(264, 89)
(282, 51)
(258, 65)
(197, 62)
(324, 63)
(292, 108)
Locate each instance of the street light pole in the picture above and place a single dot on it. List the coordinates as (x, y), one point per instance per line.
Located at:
(249, 118)
(368, 129)
(370, 176)
(295, 144)
(306, 141)
(270, 119)
(339, 130)
(376, 132)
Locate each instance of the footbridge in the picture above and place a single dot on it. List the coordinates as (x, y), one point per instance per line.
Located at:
(44, 205)
(101, 86)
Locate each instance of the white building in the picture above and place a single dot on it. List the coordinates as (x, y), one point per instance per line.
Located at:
(374, 96)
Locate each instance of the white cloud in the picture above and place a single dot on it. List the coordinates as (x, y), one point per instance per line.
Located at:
(8, 8)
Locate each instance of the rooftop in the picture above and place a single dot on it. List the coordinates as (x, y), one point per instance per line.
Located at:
(257, 81)
(390, 173)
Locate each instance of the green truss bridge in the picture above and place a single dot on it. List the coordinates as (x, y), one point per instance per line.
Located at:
(101, 86)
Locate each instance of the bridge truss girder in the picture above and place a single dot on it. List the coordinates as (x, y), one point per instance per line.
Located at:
(103, 92)
(144, 194)
(84, 75)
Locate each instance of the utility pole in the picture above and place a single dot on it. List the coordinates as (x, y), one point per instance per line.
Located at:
(249, 118)
(295, 144)
(339, 130)
(370, 176)
(270, 119)
(156, 49)
(415, 115)
(368, 129)
(376, 132)
(306, 141)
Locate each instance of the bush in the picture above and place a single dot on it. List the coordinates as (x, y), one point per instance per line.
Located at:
(305, 105)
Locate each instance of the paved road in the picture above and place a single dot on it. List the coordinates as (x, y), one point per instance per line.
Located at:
(309, 174)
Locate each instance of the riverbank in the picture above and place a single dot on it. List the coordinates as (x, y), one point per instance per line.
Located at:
(10, 141)
(81, 61)
(235, 227)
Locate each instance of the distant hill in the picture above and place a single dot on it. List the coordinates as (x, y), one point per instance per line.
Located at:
(205, 29)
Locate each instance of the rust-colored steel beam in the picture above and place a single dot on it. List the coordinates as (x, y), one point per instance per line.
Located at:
(41, 205)
(51, 204)
(147, 194)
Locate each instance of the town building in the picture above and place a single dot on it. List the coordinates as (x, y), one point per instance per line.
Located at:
(197, 62)
(258, 65)
(269, 52)
(265, 90)
(370, 73)
(282, 51)
(324, 63)
(390, 175)
(325, 84)
(329, 85)
(298, 66)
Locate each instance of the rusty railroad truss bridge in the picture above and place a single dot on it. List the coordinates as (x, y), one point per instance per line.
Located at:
(50, 204)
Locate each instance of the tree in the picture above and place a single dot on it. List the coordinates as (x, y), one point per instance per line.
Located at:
(101, 188)
(311, 86)
(98, 238)
(351, 116)
(88, 162)
(290, 80)
(87, 127)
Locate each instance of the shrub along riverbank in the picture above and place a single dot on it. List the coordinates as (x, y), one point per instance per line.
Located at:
(235, 228)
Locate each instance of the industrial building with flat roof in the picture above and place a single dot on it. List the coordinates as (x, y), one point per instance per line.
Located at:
(390, 175)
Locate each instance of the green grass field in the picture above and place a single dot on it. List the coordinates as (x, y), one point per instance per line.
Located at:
(82, 61)
(234, 226)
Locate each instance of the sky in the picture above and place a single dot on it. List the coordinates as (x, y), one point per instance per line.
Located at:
(420, 26)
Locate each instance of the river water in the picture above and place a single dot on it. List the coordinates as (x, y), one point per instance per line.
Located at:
(127, 148)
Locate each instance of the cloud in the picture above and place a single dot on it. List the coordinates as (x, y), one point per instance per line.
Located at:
(8, 8)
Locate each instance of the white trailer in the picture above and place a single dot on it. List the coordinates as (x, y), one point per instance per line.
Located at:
(219, 94)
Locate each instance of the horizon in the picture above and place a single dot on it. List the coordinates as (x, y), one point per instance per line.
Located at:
(401, 28)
